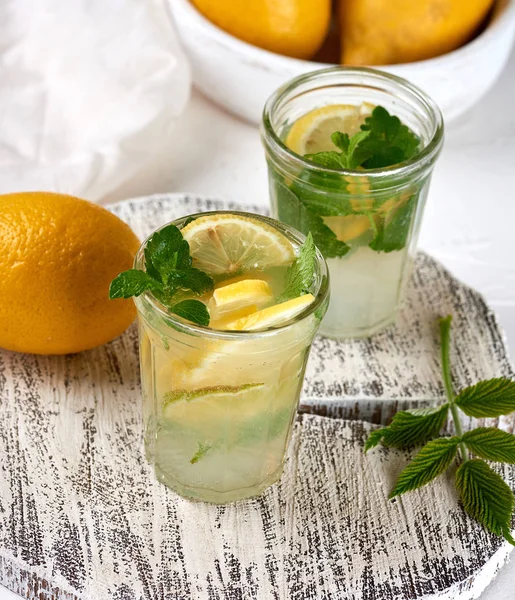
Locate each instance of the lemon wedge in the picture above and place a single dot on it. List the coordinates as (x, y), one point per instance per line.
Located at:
(229, 243)
(273, 315)
(312, 132)
(348, 228)
(240, 294)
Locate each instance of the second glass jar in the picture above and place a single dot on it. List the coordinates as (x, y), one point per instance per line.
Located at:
(365, 222)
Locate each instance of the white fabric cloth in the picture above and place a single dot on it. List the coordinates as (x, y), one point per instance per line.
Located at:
(89, 92)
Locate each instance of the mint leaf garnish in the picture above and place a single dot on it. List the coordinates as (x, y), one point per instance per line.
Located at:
(192, 310)
(341, 141)
(389, 143)
(382, 142)
(292, 211)
(491, 443)
(165, 252)
(431, 461)
(393, 230)
(131, 283)
(486, 497)
(299, 276)
(168, 271)
(492, 398)
(192, 279)
(328, 160)
(410, 428)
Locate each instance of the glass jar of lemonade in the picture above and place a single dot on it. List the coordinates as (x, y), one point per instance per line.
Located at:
(220, 399)
(350, 153)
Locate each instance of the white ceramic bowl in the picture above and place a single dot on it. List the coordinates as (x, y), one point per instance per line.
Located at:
(240, 77)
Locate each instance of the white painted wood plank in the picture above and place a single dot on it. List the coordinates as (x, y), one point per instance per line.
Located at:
(81, 515)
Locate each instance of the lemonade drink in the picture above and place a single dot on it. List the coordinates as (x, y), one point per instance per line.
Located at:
(361, 194)
(220, 400)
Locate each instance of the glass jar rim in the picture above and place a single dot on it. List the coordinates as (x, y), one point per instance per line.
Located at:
(425, 157)
(184, 326)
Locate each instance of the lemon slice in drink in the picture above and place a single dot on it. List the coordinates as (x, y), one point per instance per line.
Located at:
(242, 293)
(229, 243)
(208, 404)
(312, 132)
(273, 315)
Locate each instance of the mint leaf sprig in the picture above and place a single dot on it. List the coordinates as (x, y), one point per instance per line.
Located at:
(382, 142)
(484, 494)
(299, 275)
(168, 270)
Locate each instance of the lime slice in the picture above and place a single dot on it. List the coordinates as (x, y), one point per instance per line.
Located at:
(273, 315)
(312, 132)
(229, 243)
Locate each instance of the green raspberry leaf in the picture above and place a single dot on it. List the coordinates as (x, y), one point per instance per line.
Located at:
(492, 398)
(410, 428)
(432, 460)
(299, 276)
(192, 310)
(374, 439)
(132, 283)
(491, 443)
(486, 497)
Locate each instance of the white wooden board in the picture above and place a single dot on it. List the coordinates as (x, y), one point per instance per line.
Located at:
(81, 515)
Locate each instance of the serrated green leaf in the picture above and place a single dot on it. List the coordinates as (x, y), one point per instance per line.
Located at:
(389, 143)
(323, 194)
(341, 141)
(411, 428)
(432, 460)
(292, 211)
(491, 443)
(299, 276)
(328, 160)
(373, 439)
(491, 398)
(192, 310)
(393, 230)
(131, 283)
(191, 279)
(165, 252)
(486, 497)
(357, 154)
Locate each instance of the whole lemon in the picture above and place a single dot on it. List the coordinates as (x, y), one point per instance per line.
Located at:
(383, 32)
(291, 27)
(58, 255)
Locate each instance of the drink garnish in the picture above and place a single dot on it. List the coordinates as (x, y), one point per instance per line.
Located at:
(484, 494)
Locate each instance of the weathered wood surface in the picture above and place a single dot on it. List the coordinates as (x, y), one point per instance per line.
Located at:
(81, 515)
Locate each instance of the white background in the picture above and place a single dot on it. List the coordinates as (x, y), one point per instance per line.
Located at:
(469, 222)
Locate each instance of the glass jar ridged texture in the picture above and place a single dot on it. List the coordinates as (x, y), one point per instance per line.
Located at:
(365, 221)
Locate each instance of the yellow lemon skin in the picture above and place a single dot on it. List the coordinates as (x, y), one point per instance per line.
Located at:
(385, 32)
(294, 28)
(58, 255)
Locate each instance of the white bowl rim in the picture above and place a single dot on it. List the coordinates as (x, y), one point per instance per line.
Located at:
(503, 11)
